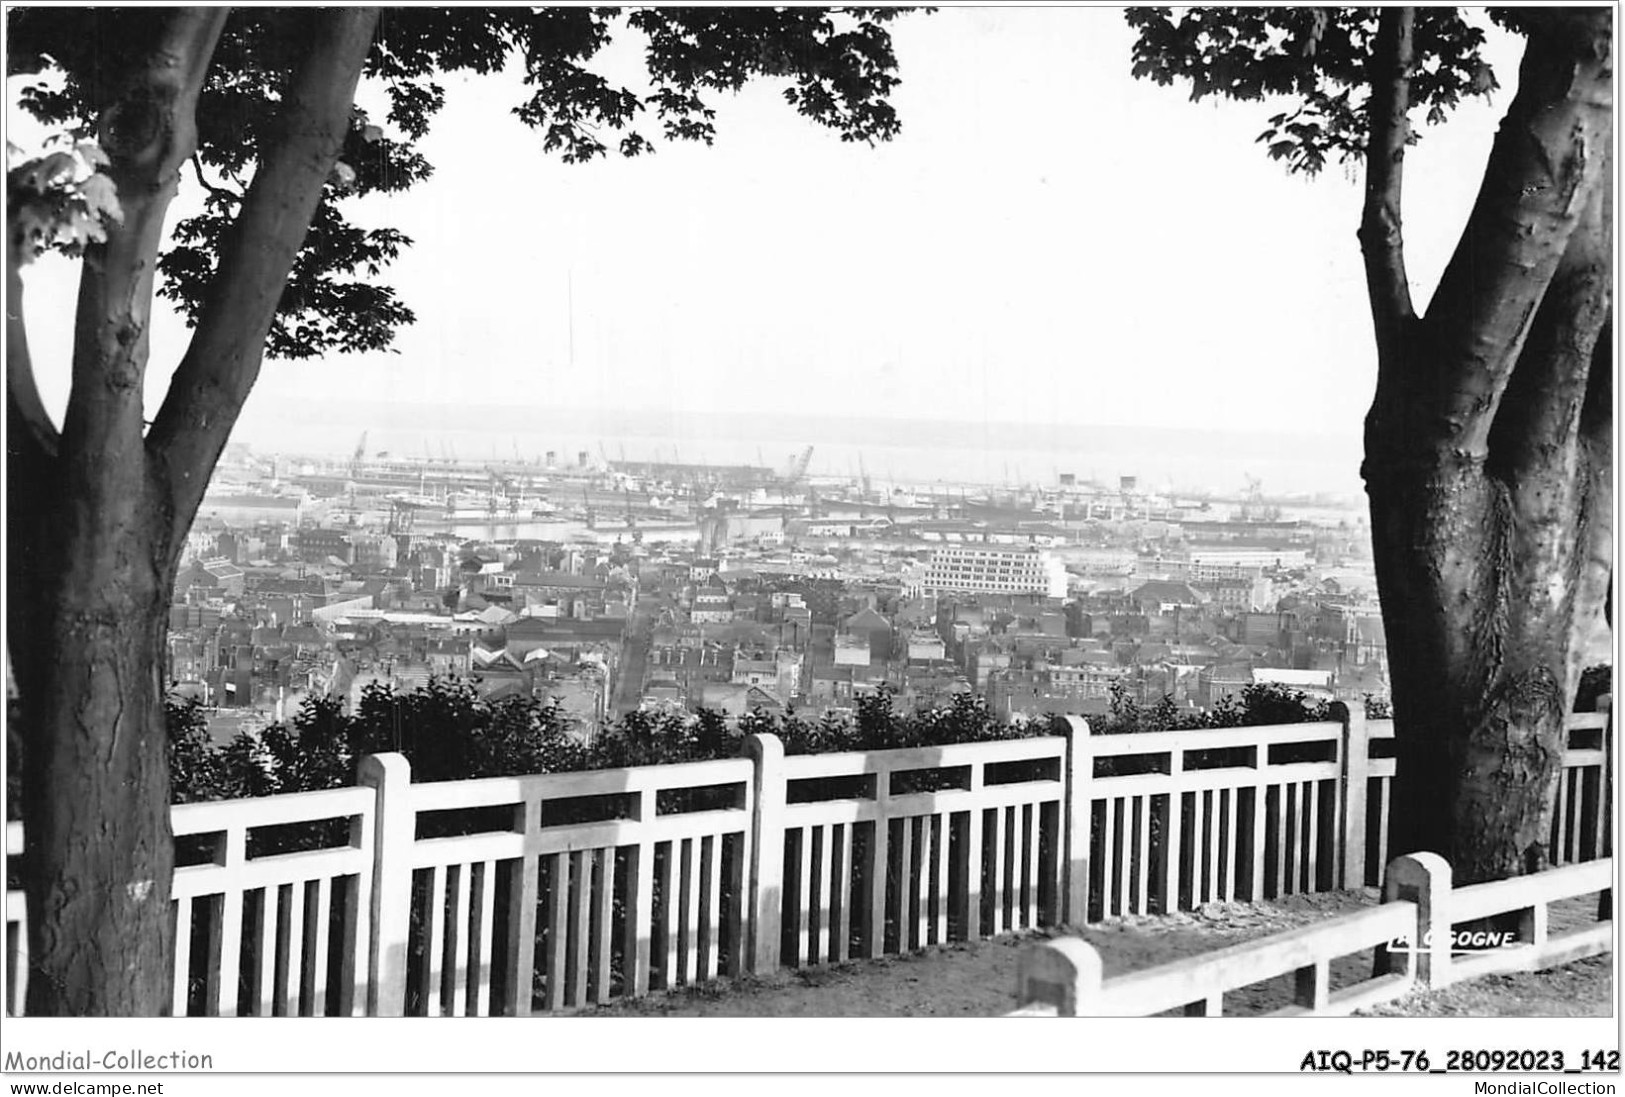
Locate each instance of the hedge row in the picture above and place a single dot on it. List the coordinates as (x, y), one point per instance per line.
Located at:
(448, 733)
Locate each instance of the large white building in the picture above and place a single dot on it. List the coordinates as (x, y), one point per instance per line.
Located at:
(994, 569)
(244, 509)
(1206, 563)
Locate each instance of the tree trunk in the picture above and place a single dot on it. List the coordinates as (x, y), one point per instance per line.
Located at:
(91, 577)
(89, 574)
(1489, 469)
(100, 512)
(99, 847)
(1481, 677)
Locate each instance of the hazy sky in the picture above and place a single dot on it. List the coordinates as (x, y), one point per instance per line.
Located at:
(1048, 240)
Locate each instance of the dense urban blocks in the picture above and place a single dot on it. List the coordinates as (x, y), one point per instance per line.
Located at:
(1043, 604)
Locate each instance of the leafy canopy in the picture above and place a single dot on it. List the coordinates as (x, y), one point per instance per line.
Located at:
(837, 65)
(1316, 56)
(60, 201)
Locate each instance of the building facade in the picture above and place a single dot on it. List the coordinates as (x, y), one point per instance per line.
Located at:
(994, 569)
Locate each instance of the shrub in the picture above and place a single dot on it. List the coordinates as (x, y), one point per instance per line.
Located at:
(448, 733)
(1595, 682)
(1260, 703)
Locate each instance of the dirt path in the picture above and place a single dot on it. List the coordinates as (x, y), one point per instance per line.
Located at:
(1584, 988)
(978, 980)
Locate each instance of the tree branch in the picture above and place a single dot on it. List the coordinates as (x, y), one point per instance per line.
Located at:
(221, 364)
(1596, 524)
(219, 192)
(1382, 241)
(1537, 420)
(1549, 153)
(147, 131)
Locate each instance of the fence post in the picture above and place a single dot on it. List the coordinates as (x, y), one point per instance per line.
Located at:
(16, 915)
(1064, 973)
(1605, 803)
(1354, 780)
(522, 889)
(766, 751)
(639, 901)
(1423, 879)
(1075, 819)
(876, 872)
(390, 914)
(970, 912)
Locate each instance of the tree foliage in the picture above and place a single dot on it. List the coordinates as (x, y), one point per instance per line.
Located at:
(837, 68)
(60, 201)
(1319, 58)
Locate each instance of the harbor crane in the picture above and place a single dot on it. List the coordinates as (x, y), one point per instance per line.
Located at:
(798, 467)
(1254, 509)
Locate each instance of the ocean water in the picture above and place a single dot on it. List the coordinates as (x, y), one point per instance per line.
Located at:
(902, 452)
(607, 532)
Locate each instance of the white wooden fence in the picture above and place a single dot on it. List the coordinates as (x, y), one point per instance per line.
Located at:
(605, 890)
(16, 929)
(552, 892)
(1181, 818)
(1419, 910)
(274, 934)
(890, 851)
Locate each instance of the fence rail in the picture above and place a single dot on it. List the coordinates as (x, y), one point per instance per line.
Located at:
(1410, 931)
(1197, 986)
(1532, 899)
(888, 851)
(1580, 822)
(1182, 818)
(589, 887)
(552, 892)
(270, 933)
